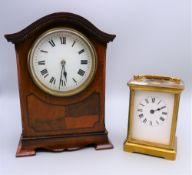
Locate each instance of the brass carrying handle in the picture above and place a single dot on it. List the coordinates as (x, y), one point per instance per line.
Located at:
(157, 77)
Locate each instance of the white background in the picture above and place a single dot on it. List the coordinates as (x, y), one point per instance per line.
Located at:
(153, 37)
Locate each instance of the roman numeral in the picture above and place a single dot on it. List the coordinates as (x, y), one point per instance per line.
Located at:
(141, 104)
(140, 110)
(164, 113)
(74, 80)
(52, 80)
(63, 40)
(44, 73)
(161, 118)
(44, 51)
(73, 43)
(153, 100)
(146, 100)
(81, 72)
(159, 102)
(41, 62)
(52, 43)
(145, 120)
(141, 115)
(84, 61)
(81, 51)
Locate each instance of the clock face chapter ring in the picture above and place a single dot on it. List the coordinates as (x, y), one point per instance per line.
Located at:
(62, 62)
(152, 111)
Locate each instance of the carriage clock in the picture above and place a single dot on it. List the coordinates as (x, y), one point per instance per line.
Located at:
(153, 109)
(61, 61)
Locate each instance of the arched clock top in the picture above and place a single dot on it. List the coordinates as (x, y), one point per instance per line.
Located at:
(57, 20)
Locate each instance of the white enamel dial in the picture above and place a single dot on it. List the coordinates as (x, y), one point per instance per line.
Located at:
(62, 62)
(152, 111)
(152, 116)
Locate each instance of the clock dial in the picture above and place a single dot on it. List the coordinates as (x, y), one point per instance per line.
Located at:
(152, 111)
(62, 62)
(152, 116)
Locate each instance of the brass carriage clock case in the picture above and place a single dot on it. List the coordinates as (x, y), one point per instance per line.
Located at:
(159, 85)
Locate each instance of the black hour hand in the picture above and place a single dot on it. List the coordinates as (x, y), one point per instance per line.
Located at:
(65, 75)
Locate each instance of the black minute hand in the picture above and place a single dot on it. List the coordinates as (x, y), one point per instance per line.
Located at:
(158, 109)
(62, 64)
(65, 73)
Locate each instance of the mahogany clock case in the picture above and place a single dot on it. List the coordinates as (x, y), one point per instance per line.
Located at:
(61, 123)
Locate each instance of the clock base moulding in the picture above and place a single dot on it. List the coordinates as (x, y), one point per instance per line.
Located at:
(29, 146)
(169, 154)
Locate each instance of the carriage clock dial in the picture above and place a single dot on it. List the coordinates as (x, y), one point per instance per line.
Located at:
(62, 62)
(152, 111)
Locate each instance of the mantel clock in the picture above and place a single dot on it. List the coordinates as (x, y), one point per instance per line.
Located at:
(153, 109)
(61, 60)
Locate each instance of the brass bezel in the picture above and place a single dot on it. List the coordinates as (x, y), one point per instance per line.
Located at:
(73, 91)
(151, 148)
